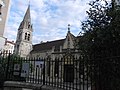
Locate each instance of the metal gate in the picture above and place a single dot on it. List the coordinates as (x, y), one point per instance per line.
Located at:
(72, 73)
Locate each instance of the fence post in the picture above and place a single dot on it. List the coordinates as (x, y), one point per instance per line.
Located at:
(7, 66)
(44, 73)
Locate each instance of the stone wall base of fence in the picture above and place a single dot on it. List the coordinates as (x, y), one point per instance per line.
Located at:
(46, 87)
(14, 85)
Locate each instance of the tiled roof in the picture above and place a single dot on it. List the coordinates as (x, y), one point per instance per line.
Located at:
(48, 46)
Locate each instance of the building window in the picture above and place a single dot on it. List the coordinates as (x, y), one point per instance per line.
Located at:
(28, 37)
(28, 25)
(25, 36)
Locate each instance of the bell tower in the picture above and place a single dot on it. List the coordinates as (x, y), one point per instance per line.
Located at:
(24, 36)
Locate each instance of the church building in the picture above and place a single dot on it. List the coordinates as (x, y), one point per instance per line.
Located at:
(60, 57)
(23, 44)
(52, 49)
(63, 48)
(57, 48)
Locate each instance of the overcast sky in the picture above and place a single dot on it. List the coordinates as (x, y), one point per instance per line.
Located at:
(49, 18)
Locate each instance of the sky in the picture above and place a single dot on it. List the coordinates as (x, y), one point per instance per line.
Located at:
(50, 18)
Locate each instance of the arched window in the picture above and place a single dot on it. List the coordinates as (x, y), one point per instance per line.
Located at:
(25, 36)
(29, 25)
(28, 37)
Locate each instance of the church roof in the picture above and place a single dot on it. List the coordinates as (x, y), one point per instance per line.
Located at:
(48, 45)
(69, 42)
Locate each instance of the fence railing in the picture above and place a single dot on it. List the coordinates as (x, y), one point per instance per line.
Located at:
(69, 73)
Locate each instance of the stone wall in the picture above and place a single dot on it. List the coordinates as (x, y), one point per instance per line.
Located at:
(12, 85)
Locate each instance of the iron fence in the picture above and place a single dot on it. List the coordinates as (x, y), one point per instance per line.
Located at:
(69, 72)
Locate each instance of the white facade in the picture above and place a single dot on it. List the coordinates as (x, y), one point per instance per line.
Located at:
(4, 11)
(69, 41)
(9, 46)
(2, 43)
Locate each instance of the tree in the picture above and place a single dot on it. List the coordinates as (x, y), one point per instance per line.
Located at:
(100, 41)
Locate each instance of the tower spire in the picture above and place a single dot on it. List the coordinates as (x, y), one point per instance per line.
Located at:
(27, 15)
(24, 37)
(26, 19)
(28, 2)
